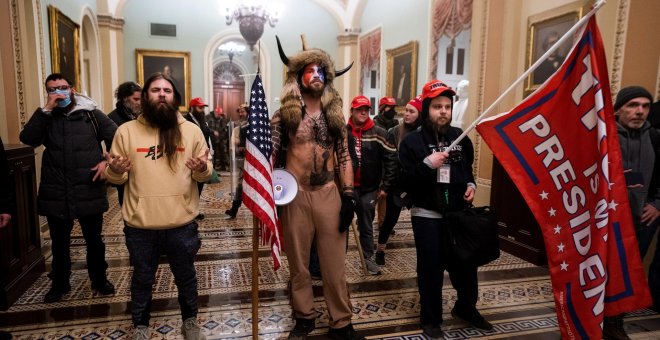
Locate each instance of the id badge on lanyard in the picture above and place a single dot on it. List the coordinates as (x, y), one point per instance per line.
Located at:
(444, 173)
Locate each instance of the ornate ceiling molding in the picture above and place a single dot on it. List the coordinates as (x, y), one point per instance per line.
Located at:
(619, 45)
(108, 21)
(348, 40)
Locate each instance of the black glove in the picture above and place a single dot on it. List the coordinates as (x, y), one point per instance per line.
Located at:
(347, 211)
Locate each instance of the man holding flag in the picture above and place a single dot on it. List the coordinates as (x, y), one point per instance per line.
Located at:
(560, 147)
(310, 126)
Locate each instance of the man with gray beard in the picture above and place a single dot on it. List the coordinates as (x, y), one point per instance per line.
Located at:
(161, 199)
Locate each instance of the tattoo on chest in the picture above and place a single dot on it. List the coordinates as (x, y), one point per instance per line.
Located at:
(321, 175)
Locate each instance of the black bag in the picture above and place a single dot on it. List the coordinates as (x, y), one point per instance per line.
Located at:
(473, 236)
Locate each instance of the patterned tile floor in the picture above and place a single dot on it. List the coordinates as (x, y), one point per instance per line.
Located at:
(515, 295)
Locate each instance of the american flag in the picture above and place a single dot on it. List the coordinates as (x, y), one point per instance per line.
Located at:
(258, 171)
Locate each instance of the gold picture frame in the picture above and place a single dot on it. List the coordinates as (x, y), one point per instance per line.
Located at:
(174, 63)
(64, 45)
(543, 30)
(401, 62)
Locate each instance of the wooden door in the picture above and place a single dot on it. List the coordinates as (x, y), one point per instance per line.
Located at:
(228, 97)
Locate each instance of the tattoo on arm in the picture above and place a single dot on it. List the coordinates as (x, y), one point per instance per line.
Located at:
(345, 165)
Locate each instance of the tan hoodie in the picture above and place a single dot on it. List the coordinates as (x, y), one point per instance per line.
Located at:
(155, 196)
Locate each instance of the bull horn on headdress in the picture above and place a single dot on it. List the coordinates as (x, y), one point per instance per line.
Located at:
(283, 56)
(340, 72)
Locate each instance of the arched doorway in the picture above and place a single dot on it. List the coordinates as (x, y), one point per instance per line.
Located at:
(228, 87)
(90, 65)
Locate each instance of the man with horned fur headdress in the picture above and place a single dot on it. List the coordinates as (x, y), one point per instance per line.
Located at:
(311, 127)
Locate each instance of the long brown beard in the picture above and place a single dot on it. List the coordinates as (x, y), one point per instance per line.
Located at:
(312, 92)
(164, 117)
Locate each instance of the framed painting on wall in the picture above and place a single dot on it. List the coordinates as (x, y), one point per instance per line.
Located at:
(64, 46)
(174, 64)
(402, 72)
(543, 31)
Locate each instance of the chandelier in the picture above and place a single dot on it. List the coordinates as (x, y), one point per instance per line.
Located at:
(252, 18)
(231, 49)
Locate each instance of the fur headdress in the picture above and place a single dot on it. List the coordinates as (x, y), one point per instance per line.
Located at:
(291, 98)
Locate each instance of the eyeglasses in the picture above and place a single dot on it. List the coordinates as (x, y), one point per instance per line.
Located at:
(61, 87)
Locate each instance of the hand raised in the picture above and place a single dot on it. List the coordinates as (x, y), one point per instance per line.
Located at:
(198, 163)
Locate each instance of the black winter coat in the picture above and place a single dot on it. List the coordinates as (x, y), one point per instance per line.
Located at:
(421, 181)
(121, 114)
(72, 150)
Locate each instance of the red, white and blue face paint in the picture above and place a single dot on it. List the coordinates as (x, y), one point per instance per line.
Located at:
(312, 73)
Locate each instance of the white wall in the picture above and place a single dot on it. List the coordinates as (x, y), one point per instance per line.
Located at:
(200, 20)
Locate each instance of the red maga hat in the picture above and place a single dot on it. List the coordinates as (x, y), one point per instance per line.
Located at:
(197, 101)
(360, 101)
(435, 88)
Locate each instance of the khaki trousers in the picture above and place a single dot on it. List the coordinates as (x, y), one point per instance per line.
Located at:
(314, 215)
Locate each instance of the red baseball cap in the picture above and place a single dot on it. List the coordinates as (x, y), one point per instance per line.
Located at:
(360, 101)
(435, 88)
(387, 101)
(417, 103)
(197, 101)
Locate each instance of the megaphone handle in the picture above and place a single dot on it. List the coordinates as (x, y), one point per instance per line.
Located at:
(356, 233)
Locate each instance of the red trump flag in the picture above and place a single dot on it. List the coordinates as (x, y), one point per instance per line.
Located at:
(560, 148)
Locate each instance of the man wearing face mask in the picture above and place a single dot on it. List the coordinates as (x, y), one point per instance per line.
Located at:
(386, 113)
(72, 179)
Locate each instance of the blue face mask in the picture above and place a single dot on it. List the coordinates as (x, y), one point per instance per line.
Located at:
(67, 98)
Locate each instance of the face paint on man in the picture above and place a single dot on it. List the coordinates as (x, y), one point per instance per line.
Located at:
(313, 72)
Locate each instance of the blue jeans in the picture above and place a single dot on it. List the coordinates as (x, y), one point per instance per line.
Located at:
(145, 246)
(644, 238)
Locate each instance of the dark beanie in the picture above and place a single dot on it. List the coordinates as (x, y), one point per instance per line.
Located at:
(628, 93)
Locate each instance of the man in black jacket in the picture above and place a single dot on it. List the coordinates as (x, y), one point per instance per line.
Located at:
(72, 179)
(127, 108)
(640, 153)
(196, 116)
(374, 175)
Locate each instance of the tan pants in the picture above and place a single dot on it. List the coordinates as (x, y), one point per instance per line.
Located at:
(314, 215)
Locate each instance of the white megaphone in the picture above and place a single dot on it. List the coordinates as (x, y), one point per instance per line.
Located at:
(285, 187)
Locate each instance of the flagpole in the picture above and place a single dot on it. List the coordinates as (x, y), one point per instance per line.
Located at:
(531, 69)
(255, 277)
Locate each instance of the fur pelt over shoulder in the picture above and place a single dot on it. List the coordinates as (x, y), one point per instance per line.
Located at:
(291, 98)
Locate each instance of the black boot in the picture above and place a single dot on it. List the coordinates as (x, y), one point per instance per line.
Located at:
(613, 328)
(234, 209)
(56, 292)
(302, 329)
(345, 333)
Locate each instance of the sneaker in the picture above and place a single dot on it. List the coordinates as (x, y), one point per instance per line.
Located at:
(56, 292)
(345, 333)
(302, 328)
(474, 319)
(380, 258)
(141, 332)
(613, 328)
(432, 331)
(191, 330)
(105, 288)
(372, 267)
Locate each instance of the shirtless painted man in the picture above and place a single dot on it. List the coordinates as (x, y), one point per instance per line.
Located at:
(310, 126)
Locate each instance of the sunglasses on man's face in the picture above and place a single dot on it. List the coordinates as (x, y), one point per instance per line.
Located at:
(55, 88)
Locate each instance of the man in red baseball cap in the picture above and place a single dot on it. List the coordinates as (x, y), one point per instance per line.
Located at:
(439, 180)
(386, 113)
(377, 161)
